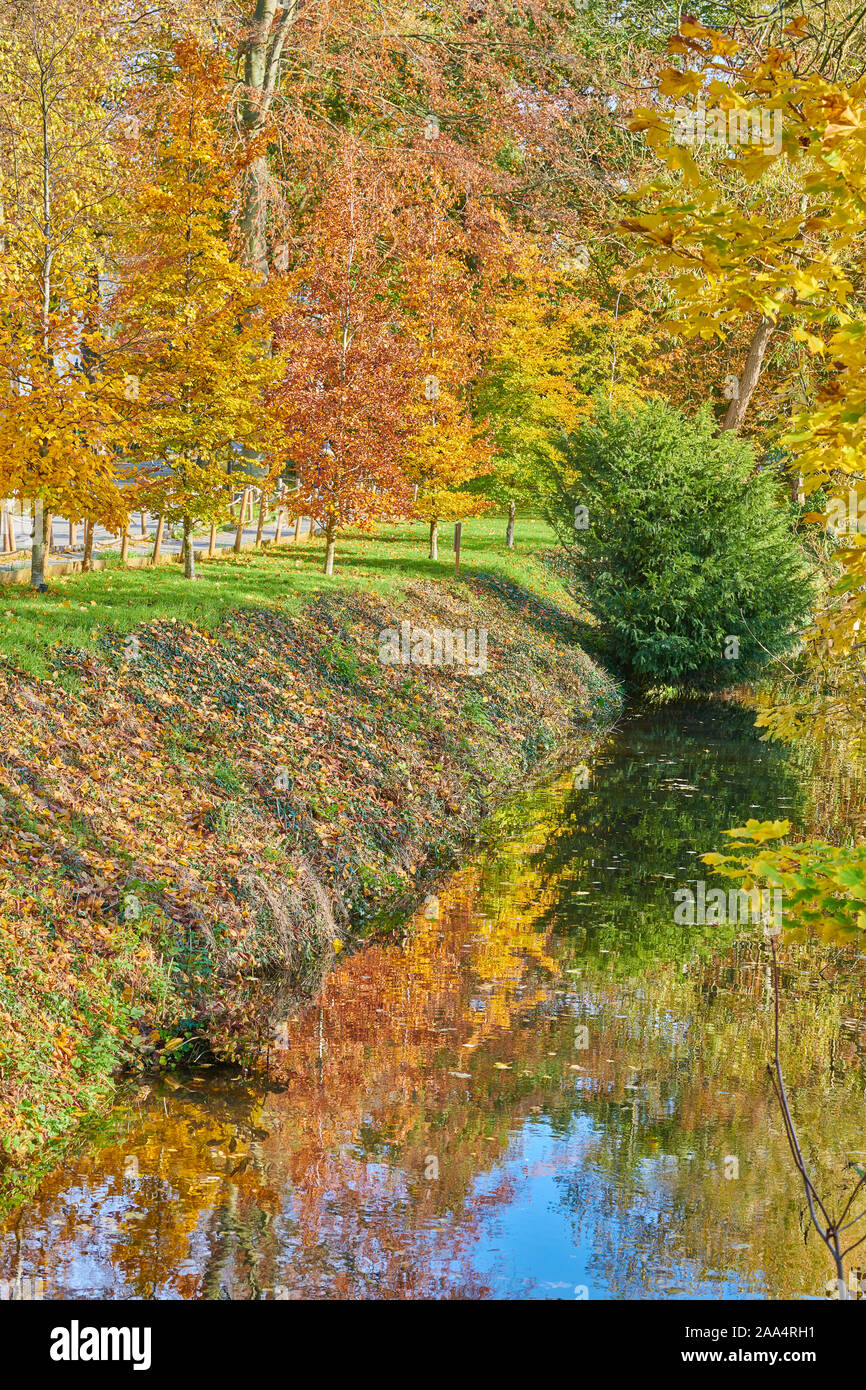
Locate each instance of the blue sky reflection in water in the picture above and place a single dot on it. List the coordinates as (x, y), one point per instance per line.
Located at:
(437, 1124)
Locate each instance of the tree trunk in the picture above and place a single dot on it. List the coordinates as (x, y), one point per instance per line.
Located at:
(751, 373)
(124, 546)
(434, 539)
(87, 561)
(211, 545)
(239, 533)
(261, 55)
(157, 540)
(278, 533)
(73, 535)
(263, 511)
(40, 545)
(330, 544)
(254, 214)
(188, 550)
(297, 536)
(509, 534)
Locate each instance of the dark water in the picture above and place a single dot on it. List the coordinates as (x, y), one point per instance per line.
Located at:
(550, 1091)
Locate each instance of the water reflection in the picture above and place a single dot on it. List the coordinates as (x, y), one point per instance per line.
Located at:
(549, 1091)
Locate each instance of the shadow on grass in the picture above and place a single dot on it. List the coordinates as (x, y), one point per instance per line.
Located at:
(76, 609)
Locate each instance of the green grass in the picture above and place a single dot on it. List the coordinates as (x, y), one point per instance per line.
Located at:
(78, 608)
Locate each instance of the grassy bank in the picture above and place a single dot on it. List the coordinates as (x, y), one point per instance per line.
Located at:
(244, 789)
(79, 609)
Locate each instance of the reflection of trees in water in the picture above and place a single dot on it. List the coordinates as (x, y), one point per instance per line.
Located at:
(701, 1095)
(671, 783)
(144, 1208)
(319, 1183)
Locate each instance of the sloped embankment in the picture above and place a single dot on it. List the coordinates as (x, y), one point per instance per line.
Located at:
(207, 807)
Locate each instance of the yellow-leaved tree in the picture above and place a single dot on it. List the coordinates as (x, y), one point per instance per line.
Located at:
(775, 233)
(556, 347)
(449, 316)
(192, 330)
(58, 175)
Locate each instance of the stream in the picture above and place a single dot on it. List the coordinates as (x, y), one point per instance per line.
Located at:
(549, 1090)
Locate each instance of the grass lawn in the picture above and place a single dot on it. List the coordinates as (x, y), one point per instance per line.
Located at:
(78, 608)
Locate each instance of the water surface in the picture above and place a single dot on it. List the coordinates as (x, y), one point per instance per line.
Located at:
(550, 1090)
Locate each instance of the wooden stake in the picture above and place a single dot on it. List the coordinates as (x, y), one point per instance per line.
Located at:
(239, 534)
(40, 544)
(87, 561)
(263, 511)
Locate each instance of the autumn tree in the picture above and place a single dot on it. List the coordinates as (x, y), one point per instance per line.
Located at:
(345, 391)
(192, 329)
(726, 259)
(730, 221)
(559, 344)
(58, 175)
(450, 278)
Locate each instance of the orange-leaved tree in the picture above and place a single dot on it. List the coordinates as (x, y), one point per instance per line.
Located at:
(345, 388)
(192, 327)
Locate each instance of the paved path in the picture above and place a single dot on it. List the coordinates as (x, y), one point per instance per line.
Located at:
(104, 541)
